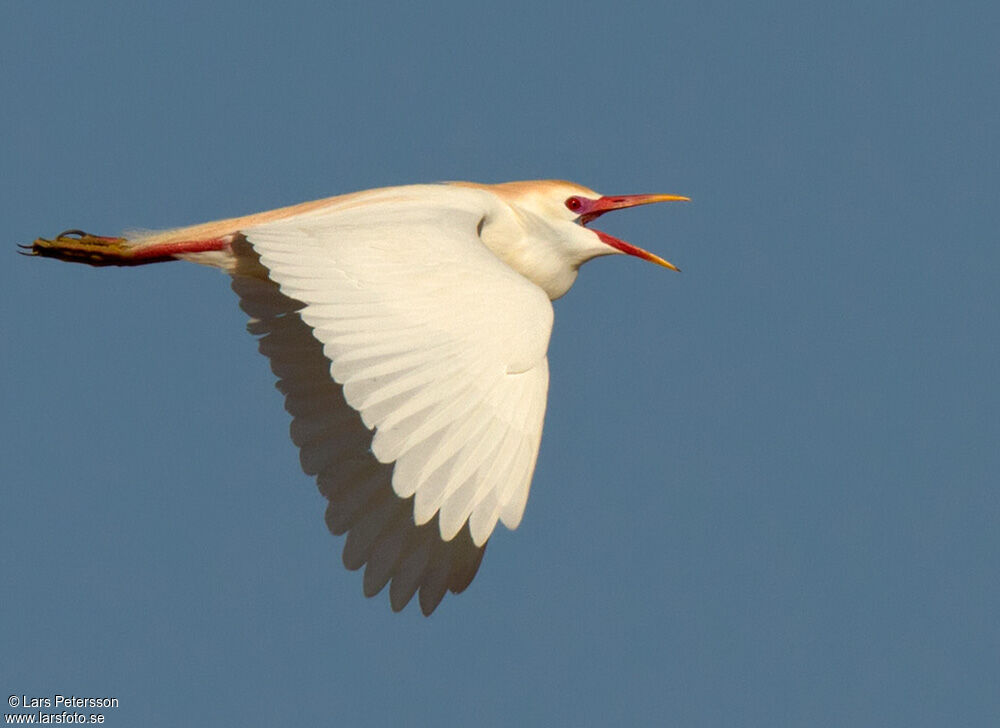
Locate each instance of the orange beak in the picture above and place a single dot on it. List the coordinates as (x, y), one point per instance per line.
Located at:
(598, 207)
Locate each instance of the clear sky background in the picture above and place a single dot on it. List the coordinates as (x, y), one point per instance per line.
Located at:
(768, 486)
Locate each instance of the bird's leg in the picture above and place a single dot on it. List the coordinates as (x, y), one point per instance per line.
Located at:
(80, 247)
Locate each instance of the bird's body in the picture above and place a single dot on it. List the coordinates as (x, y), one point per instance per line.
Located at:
(425, 310)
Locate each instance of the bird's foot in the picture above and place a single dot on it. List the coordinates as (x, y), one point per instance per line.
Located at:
(81, 247)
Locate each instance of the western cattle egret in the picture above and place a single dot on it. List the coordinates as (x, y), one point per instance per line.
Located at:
(408, 328)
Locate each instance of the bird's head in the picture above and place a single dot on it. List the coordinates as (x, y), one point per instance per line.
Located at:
(571, 208)
(544, 234)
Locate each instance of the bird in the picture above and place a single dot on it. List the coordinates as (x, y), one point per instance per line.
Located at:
(408, 329)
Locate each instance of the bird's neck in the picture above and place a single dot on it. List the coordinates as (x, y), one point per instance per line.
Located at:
(531, 247)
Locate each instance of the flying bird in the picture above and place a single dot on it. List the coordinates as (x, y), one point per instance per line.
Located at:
(408, 328)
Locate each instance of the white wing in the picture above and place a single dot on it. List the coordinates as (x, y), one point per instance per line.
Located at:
(334, 446)
(439, 345)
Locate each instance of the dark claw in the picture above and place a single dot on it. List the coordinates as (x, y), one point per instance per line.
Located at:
(67, 233)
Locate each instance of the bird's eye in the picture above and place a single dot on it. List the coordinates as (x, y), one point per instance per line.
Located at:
(575, 204)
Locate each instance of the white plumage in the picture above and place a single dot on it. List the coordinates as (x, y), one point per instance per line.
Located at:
(430, 306)
(438, 344)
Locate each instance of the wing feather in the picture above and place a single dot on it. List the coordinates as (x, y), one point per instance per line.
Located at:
(334, 446)
(439, 346)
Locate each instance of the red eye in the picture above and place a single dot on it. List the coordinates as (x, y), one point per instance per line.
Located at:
(574, 203)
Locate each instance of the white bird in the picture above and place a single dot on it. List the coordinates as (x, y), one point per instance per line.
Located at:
(408, 328)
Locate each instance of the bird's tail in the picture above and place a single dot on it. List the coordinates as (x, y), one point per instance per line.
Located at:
(79, 247)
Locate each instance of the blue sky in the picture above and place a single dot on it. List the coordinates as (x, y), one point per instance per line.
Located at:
(767, 490)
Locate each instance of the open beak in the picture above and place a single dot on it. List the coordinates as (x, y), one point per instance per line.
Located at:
(605, 204)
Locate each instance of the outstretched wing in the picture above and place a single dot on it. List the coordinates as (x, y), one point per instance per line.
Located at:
(438, 345)
(334, 445)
